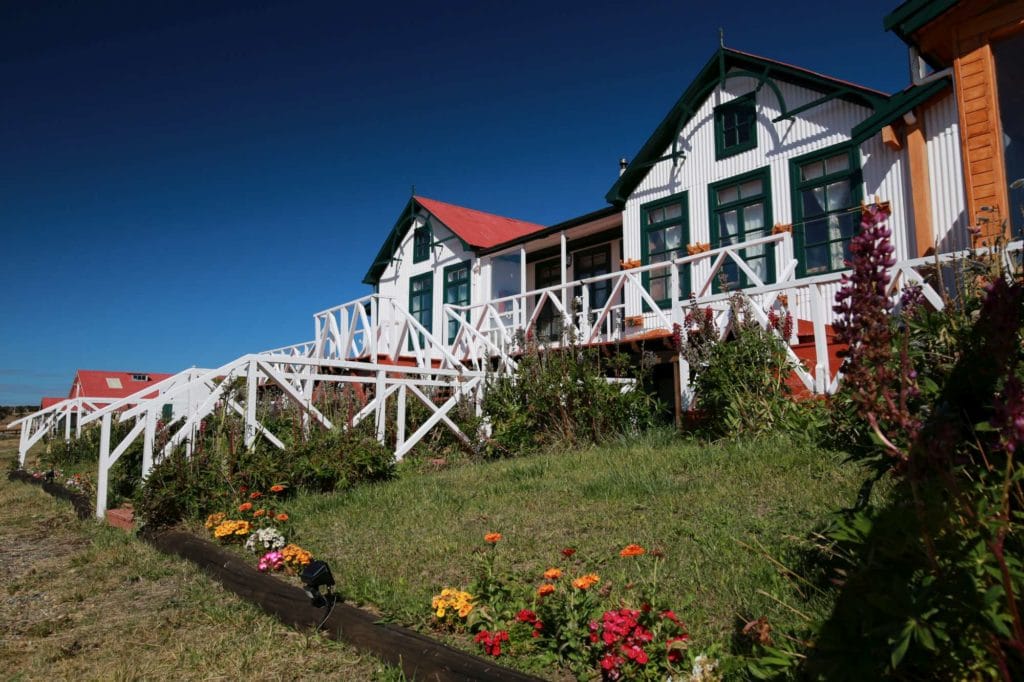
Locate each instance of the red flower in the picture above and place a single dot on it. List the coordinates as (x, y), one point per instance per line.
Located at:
(256, 496)
(491, 642)
(568, 552)
(526, 616)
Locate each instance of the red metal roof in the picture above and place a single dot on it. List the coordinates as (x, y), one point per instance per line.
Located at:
(90, 383)
(476, 228)
(46, 402)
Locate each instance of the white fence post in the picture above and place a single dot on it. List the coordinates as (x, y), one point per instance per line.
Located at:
(104, 470)
(381, 405)
(250, 404)
(147, 443)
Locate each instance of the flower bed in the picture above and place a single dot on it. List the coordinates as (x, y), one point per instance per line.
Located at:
(573, 616)
(259, 526)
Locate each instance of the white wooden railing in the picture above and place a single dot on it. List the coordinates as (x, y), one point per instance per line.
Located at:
(496, 328)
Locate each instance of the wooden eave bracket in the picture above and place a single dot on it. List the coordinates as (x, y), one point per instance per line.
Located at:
(891, 138)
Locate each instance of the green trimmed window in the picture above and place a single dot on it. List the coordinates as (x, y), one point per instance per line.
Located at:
(421, 239)
(826, 199)
(456, 292)
(421, 302)
(735, 127)
(741, 210)
(665, 226)
(593, 263)
(548, 273)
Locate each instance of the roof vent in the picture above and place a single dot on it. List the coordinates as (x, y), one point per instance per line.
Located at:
(622, 165)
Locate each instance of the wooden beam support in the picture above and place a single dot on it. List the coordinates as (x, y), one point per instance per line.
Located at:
(917, 152)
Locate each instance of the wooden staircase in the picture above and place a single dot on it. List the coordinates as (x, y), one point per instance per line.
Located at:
(804, 349)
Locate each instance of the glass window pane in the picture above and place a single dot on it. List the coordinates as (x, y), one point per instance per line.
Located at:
(816, 231)
(743, 134)
(672, 211)
(658, 289)
(728, 194)
(753, 219)
(750, 188)
(837, 164)
(813, 202)
(817, 259)
(839, 195)
(674, 237)
(727, 227)
(655, 241)
(812, 170)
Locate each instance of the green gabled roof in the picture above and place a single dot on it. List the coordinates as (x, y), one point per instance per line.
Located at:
(913, 15)
(390, 245)
(898, 104)
(709, 77)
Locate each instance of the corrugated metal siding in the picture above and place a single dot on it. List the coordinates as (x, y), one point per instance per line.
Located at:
(814, 129)
(886, 176)
(946, 175)
(394, 281)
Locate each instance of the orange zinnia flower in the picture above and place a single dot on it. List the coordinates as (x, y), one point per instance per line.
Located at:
(585, 582)
(553, 573)
(281, 517)
(277, 488)
(245, 506)
(492, 538)
(545, 589)
(255, 496)
(259, 512)
(632, 550)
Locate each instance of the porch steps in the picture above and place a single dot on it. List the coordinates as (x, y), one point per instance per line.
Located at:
(804, 349)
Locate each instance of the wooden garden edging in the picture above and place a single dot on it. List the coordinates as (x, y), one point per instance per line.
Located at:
(82, 505)
(419, 657)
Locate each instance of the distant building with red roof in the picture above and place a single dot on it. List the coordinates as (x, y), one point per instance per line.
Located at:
(106, 384)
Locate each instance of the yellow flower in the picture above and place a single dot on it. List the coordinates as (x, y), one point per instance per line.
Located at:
(464, 610)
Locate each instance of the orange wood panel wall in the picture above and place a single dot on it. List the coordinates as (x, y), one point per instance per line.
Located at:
(964, 35)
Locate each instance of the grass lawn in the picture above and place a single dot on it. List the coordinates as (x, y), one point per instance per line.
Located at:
(718, 512)
(80, 600)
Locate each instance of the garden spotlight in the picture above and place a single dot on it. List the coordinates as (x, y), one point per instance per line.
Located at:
(315, 575)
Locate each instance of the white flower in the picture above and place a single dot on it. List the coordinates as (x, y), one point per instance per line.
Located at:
(265, 539)
(704, 669)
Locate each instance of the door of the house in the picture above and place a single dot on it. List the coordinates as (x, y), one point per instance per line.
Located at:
(548, 273)
(592, 263)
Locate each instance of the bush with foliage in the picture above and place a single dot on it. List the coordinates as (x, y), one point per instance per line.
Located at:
(741, 382)
(183, 487)
(562, 396)
(931, 582)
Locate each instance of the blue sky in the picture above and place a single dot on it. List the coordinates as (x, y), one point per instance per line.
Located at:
(185, 182)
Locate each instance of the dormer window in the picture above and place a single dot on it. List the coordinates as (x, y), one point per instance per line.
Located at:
(421, 239)
(141, 377)
(735, 127)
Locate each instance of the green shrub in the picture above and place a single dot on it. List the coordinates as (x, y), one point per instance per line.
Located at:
(563, 397)
(741, 383)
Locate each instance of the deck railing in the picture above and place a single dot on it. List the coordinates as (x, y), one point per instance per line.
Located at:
(498, 327)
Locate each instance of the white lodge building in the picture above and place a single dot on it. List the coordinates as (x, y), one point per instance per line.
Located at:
(753, 181)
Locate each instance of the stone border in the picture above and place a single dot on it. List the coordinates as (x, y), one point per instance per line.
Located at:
(418, 656)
